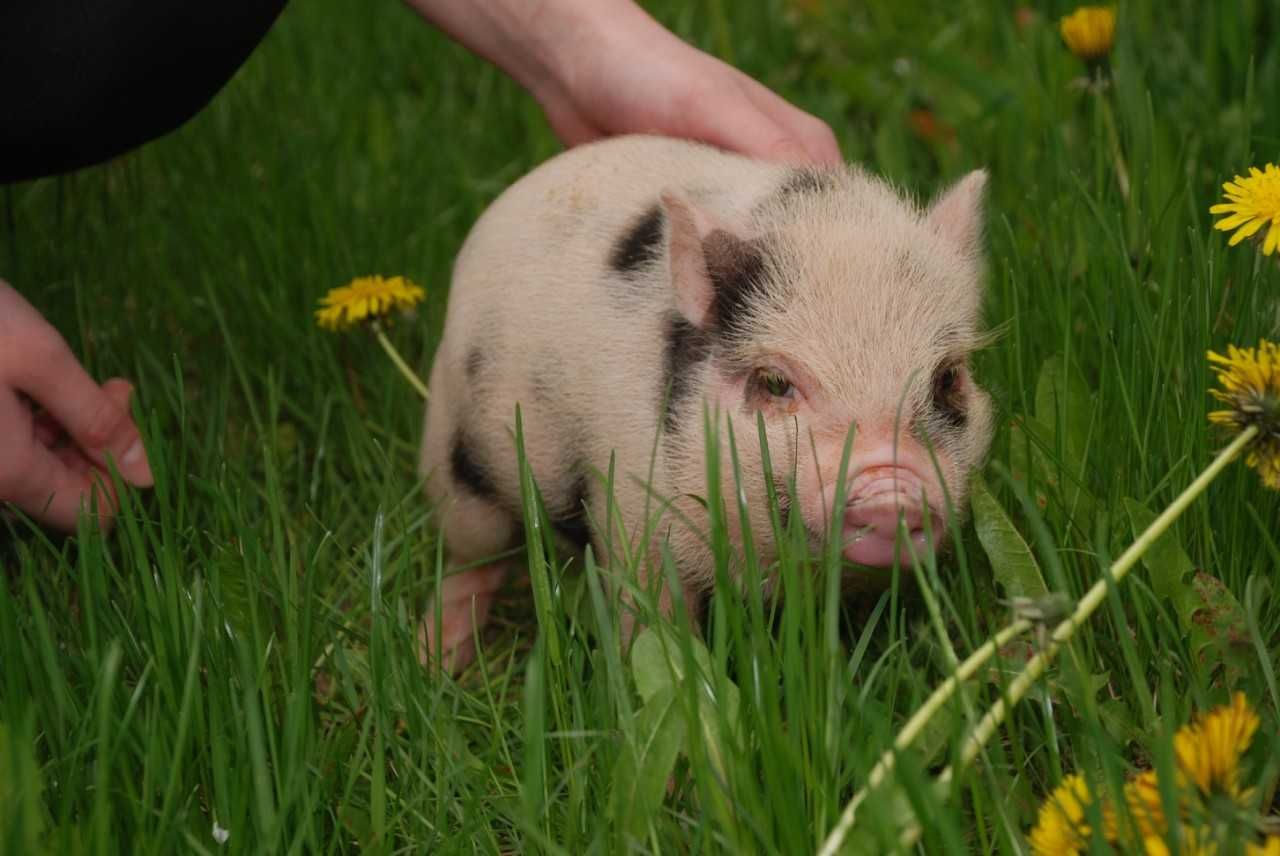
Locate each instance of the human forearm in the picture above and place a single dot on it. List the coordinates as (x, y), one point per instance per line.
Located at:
(527, 38)
(603, 67)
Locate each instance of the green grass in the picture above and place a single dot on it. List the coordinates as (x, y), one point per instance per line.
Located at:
(241, 647)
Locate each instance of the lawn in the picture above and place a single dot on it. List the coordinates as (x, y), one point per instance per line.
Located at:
(238, 656)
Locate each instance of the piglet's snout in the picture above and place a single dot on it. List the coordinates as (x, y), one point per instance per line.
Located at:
(880, 498)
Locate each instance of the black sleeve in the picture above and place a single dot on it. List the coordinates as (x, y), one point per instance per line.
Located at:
(82, 81)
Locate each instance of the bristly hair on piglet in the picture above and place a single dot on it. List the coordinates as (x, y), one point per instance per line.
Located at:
(626, 288)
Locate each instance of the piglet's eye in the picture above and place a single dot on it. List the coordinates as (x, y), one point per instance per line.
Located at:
(775, 384)
(945, 381)
(948, 393)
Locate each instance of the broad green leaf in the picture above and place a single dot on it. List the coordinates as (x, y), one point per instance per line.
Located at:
(658, 665)
(946, 724)
(1063, 421)
(1012, 562)
(1165, 561)
(873, 830)
(1220, 617)
(652, 668)
(657, 662)
(643, 769)
(1034, 463)
(1065, 405)
(1169, 568)
(1207, 611)
(1118, 721)
(1079, 694)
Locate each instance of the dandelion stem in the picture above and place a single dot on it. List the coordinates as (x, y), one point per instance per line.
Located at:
(1113, 139)
(409, 374)
(1087, 605)
(1037, 665)
(916, 724)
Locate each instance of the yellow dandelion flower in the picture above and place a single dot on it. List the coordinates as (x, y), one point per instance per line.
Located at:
(1089, 31)
(1208, 750)
(1062, 828)
(1142, 796)
(1192, 843)
(1270, 847)
(1250, 381)
(369, 298)
(1253, 202)
(364, 299)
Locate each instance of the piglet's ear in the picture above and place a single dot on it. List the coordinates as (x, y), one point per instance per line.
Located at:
(957, 214)
(712, 269)
(690, 277)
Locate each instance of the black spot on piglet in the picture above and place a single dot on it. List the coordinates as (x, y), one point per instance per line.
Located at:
(468, 470)
(737, 270)
(805, 181)
(475, 362)
(572, 522)
(640, 244)
(686, 347)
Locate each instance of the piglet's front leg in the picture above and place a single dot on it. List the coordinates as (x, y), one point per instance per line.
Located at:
(694, 582)
(464, 601)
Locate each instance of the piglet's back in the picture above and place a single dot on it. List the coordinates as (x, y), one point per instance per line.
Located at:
(570, 246)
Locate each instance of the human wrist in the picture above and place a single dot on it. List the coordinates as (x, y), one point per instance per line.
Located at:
(541, 44)
(562, 34)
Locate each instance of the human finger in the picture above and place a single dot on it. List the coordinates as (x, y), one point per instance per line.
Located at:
(721, 114)
(51, 485)
(815, 135)
(43, 367)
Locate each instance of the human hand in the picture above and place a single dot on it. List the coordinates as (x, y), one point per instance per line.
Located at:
(58, 428)
(621, 72)
(603, 67)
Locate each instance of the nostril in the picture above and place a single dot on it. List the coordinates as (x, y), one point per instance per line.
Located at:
(883, 517)
(883, 533)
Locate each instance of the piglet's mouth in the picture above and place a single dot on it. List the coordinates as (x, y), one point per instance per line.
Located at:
(880, 499)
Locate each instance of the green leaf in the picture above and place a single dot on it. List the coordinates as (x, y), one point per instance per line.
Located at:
(643, 769)
(658, 666)
(1045, 472)
(1012, 562)
(1165, 561)
(1118, 721)
(1065, 405)
(945, 725)
(1168, 568)
(651, 667)
(1207, 611)
(1063, 420)
(1221, 619)
(874, 830)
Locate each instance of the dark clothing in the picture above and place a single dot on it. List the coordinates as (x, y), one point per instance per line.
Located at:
(82, 81)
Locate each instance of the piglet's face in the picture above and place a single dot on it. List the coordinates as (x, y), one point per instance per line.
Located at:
(856, 316)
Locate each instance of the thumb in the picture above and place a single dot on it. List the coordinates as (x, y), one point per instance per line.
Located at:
(132, 462)
(95, 417)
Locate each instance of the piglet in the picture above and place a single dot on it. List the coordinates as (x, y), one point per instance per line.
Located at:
(623, 289)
